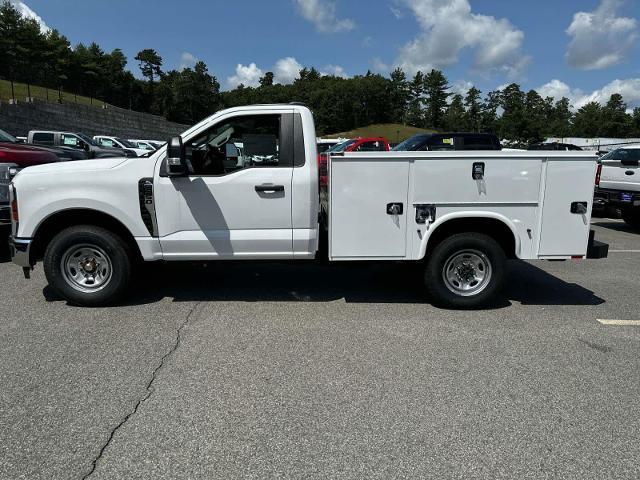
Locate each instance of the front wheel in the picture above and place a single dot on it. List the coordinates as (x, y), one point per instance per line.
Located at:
(88, 266)
(465, 271)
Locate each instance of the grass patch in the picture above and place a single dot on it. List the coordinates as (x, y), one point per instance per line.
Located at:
(40, 93)
(393, 132)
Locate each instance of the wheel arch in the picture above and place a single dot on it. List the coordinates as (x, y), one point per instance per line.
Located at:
(491, 224)
(62, 219)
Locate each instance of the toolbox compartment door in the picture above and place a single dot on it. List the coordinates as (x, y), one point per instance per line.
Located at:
(565, 225)
(363, 193)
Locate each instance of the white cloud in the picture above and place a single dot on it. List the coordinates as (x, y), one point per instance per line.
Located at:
(187, 60)
(396, 12)
(379, 66)
(449, 26)
(460, 87)
(247, 75)
(628, 88)
(322, 14)
(25, 11)
(286, 70)
(600, 39)
(335, 70)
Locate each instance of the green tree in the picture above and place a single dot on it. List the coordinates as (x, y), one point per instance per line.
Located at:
(587, 120)
(399, 95)
(513, 123)
(150, 64)
(455, 116)
(415, 112)
(615, 120)
(473, 110)
(267, 80)
(436, 89)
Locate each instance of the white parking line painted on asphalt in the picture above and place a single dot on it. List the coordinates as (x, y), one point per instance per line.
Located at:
(624, 251)
(635, 323)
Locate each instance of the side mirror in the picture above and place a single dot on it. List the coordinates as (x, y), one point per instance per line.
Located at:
(85, 146)
(176, 163)
(232, 151)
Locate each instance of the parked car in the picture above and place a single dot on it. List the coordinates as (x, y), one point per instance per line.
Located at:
(146, 145)
(13, 158)
(63, 153)
(117, 142)
(77, 141)
(618, 183)
(555, 146)
(459, 218)
(449, 141)
(360, 144)
(325, 144)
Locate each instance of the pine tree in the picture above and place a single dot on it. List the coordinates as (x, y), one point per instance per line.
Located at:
(473, 105)
(415, 113)
(436, 91)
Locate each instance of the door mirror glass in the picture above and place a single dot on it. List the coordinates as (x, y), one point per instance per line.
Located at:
(176, 164)
(232, 151)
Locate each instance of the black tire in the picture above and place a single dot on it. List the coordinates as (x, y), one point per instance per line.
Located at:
(631, 217)
(444, 255)
(115, 251)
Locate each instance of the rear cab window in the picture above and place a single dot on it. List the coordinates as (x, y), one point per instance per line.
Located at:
(43, 138)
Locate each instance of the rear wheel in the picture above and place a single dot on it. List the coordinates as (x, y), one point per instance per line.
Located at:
(465, 271)
(88, 266)
(631, 217)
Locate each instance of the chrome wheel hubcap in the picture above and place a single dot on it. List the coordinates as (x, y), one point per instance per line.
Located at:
(467, 273)
(86, 268)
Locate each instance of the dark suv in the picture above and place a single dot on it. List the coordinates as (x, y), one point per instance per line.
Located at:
(449, 141)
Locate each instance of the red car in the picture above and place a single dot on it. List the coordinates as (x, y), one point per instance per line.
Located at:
(360, 144)
(18, 155)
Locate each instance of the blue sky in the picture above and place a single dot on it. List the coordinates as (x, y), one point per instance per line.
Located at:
(547, 44)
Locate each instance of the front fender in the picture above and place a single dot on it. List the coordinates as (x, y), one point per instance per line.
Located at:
(32, 218)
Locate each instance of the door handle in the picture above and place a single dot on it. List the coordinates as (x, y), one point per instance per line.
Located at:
(477, 172)
(269, 188)
(579, 208)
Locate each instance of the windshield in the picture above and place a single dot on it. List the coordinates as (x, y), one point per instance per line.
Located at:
(89, 140)
(5, 137)
(341, 147)
(412, 143)
(126, 143)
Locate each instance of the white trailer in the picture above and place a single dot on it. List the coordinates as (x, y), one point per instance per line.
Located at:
(459, 214)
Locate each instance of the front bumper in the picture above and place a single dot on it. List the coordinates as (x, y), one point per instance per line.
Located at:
(20, 249)
(596, 249)
(5, 215)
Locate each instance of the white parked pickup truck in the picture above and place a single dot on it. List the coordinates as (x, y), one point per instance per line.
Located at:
(459, 214)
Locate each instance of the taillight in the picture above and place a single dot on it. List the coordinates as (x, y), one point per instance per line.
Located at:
(598, 174)
(323, 173)
(14, 205)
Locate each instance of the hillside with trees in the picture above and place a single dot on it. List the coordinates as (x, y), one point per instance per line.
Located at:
(423, 101)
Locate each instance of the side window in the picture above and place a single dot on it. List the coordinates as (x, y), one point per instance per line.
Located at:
(43, 138)
(106, 142)
(240, 142)
(366, 147)
(439, 143)
(69, 140)
(477, 143)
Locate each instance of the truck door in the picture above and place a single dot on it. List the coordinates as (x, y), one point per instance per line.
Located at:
(236, 200)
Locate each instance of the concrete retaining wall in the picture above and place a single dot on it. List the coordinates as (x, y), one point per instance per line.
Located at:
(20, 118)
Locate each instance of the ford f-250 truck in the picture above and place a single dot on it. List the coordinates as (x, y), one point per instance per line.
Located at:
(460, 215)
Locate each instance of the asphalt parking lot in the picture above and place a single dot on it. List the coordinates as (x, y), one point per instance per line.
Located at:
(290, 371)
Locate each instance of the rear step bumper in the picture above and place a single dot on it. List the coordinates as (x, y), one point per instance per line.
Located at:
(596, 249)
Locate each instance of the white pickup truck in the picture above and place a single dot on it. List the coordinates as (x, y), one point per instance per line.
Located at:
(458, 214)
